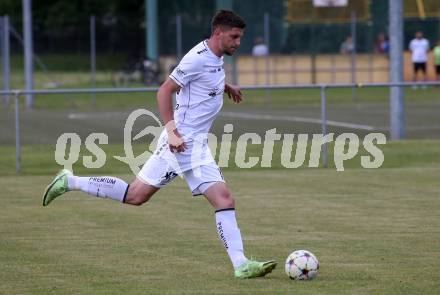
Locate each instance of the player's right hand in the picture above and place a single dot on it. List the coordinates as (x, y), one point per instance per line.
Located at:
(175, 141)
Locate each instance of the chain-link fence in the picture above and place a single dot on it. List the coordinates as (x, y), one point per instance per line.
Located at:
(315, 51)
(300, 109)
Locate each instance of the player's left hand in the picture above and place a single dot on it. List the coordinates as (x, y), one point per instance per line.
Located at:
(234, 93)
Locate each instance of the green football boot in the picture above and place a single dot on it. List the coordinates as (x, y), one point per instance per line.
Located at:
(253, 269)
(57, 187)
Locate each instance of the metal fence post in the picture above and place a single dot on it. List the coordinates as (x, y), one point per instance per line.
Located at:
(6, 64)
(93, 55)
(17, 132)
(324, 125)
(267, 57)
(353, 53)
(179, 37)
(397, 111)
(28, 52)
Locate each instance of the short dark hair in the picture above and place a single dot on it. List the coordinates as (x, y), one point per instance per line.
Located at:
(227, 18)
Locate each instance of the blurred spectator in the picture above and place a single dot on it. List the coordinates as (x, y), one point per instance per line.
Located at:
(382, 44)
(150, 72)
(260, 49)
(347, 46)
(137, 70)
(437, 60)
(419, 48)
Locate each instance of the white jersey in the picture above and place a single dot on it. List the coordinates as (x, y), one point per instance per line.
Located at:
(201, 75)
(419, 50)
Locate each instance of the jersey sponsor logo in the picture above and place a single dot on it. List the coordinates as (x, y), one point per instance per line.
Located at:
(161, 148)
(222, 235)
(201, 51)
(168, 177)
(180, 72)
(213, 92)
(102, 180)
(215, 70)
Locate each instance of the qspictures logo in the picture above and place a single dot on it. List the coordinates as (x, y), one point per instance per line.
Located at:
(346, 146)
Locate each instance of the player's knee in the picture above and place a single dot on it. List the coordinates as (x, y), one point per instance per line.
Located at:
(230, 203)
(227, 200)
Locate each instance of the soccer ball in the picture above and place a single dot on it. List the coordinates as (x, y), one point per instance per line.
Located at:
(301, 265)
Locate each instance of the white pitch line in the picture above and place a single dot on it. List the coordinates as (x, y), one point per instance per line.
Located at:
(96, 115)
(241, 115)
(296, 119)
(415, 128)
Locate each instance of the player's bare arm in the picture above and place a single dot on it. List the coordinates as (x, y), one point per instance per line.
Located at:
(165, 105)
(234, 92)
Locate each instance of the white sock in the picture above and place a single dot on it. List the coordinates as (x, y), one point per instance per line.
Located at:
(99, 186)
(229, 233)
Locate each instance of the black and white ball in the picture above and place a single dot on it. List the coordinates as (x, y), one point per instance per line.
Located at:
(301, 265)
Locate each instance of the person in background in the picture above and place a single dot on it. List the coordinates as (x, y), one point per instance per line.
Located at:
(419, 48)
(260, 48)
(382, 44)
(347, 46)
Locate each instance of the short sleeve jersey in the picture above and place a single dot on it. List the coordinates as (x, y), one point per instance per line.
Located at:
(419, 49)
(201, 76)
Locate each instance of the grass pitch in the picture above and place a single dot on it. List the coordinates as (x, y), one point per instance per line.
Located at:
(373, 231)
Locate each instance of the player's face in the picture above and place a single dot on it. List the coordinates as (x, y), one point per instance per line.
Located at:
(230, 40)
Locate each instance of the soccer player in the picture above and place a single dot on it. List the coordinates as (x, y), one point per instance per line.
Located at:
(182, 149)
(419, 48)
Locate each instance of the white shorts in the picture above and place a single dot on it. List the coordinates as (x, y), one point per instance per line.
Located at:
(163, 166)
